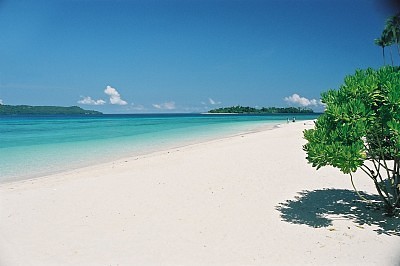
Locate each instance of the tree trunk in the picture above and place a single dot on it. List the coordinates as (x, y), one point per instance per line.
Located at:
(383, 53)
(398, 48)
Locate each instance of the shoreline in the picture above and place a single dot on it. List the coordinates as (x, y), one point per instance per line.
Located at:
(226, 201)
(143, 153)
(151, 153)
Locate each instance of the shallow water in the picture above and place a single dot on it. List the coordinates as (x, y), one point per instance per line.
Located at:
(32, 146)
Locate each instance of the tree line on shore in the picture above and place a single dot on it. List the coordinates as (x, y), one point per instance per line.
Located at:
(264, 110)
(44, 110)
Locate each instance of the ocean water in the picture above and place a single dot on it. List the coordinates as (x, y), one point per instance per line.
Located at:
(33, 146)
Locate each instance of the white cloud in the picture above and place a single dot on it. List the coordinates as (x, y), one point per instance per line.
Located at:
(115, 97)
(137, 107)
(302, 101)
(165, 106)
(1, 101)
(212, 102)
(88, 100)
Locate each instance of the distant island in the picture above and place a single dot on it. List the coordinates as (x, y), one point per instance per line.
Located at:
(44, 110)
(264, 110)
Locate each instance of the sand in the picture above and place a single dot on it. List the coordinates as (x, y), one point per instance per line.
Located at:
(250, 199)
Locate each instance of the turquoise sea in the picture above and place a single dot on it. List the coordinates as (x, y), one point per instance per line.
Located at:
(33, 146)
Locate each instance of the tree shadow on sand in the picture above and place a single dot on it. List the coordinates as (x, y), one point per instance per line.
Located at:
(319, 208)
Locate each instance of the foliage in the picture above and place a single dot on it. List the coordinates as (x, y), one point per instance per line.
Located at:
(44, 110)
(392, 30)
(265, 110)
(360, 129)
(383, 42)
(390, 36)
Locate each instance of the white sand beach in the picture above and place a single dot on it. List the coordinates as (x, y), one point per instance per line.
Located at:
(223, 202)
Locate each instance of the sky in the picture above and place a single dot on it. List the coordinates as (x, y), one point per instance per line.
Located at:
(149, 56)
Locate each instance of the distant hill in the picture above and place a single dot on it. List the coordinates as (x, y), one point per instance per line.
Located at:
(265, 110)
(44, 110)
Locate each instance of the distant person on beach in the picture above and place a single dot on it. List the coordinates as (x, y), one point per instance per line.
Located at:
(294, 119)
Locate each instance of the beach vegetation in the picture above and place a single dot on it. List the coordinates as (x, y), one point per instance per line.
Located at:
(264, 110)
(383, 42)
(44, 110)
(360, 130)
(390, 36)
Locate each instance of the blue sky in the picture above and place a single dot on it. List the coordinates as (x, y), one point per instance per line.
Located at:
(183, 55)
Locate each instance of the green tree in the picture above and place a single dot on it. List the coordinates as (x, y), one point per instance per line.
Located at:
(392, 30)
(264, 110)
(360, 129)
(44, 110)
(386, 40)
(380, 42)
